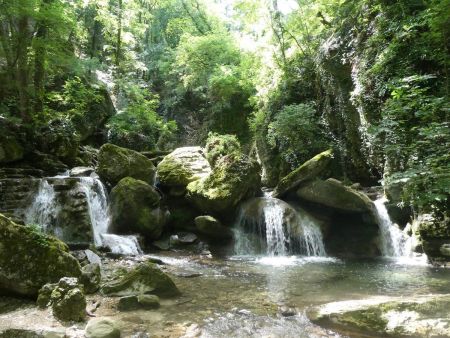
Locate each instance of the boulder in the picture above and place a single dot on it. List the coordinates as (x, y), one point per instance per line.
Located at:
(218, 146)
(211, 227)
(102, 328)
(182, 166)
(90, 277)
(68, 300)
(30, 259)
(135, 209)
(115, 163)
(435, 237)
(307, 171)
(145, 278)
(231, 180)
(146, 302)
(421, 316)
(335, 195)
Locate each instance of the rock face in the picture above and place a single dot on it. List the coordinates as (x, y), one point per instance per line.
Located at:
(29, 259)
(424, 316)
(182, 166)
(145, 278)
(102, 328)
(231, 180)
(307, 171)
(68, 300)
(135, 209)
(115, 163)
(333, 194)
(211, 227)
(435, 237)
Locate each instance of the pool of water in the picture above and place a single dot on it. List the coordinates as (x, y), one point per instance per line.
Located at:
(241, 296)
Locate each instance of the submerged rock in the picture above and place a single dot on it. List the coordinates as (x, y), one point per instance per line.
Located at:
(333, 194)
(115, 163)
(102, 328)
(307, 171)
(135, 209)
(231, 180)
(30, 259)
(145, 278)
(423, 316)
(211, 227)
(182, 166)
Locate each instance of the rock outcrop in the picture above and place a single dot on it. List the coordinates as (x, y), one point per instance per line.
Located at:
(30, 259)
(115, 163)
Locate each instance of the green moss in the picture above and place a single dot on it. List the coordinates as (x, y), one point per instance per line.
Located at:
(172, 171)
(310, 169)
(218, 146)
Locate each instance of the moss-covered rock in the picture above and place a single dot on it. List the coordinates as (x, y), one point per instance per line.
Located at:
(218, 146)
(30, 259)
(145, 278)
(102, 328)
(211, 227)
(435, 237)
(68, 300)
(10, 149)
(231, 180)
(91, 276)
(333, 194)
(135, 209)
(115, 163)
(182, 166)
(423, 316)
(309, 170)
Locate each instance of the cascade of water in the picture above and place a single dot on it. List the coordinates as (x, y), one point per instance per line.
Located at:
(394, 242)
(277, 229)
(44, 208)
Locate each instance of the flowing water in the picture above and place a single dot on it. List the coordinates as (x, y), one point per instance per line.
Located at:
(271, 226)
(45, 207)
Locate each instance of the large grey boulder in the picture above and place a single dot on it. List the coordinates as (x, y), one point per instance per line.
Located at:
(333, 194)
(115, 163)
(309, 170)
(182, 166)
(30, 259)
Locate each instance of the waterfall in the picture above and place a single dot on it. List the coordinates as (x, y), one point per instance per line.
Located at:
(274, 227)
(394, 242)
(44, 209)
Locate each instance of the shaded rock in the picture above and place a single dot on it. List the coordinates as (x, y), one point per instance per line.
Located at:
(144, 278)
(333, 194)
(231, 180)
(146, 302)
(134, 209)
(68, 300)
(307, 171)
(10, 149)
(423, 316)
(128, 303)
(102, 328)
(434, 236)
(90, 277)
(30, 259)
(182, 166)
(115, 163)
(44, 296)
(211, 227)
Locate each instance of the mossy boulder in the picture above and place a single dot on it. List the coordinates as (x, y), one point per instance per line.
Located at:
(135, 209)
(422, 316)
(231, 180)
(311, 169)
(147, 302)
(435, 236)
(145, 278)
(182, 166)
(68, 300)
(335, 195)
(218, 146)
(30, 259)
(102, 328)
(211, 227)
(115, 163)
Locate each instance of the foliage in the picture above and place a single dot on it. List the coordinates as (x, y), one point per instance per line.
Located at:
(218, 146)
(296, 134)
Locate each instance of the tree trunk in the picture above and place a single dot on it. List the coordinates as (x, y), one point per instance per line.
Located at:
(22, 68)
